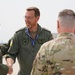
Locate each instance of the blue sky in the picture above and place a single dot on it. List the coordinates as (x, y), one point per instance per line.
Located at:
(12, 12)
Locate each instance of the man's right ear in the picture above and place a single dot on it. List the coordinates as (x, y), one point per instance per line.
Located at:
(58, 24)
(74, 30)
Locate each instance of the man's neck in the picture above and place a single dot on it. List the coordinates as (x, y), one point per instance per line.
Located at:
(33, 29)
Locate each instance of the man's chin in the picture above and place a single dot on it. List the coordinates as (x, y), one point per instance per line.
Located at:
(28, 27)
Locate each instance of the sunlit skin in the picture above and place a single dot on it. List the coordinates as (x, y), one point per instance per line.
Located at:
(31, 20)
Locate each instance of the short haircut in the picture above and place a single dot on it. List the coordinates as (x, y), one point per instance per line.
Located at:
(67, 17)
(35, 9)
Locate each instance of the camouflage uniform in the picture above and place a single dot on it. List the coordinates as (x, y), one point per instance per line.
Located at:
(3, 51)
(56, 57)
(3, 68)
(25, 48)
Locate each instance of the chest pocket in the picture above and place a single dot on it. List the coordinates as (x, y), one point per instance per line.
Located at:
(25, 41)
(41, 40)
(25, 38)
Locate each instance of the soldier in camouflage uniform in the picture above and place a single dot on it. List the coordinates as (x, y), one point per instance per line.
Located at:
(27, 41)
(57, 57)
(3, 68)
(3, 50)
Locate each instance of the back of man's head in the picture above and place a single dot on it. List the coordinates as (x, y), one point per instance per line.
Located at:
(66, 19)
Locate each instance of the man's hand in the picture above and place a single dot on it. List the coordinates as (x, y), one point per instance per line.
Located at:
(10, 70)
(10, 63)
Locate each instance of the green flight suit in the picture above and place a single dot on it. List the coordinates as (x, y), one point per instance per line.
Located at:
(22, 47)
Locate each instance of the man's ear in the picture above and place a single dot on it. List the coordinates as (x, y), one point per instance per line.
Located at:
(58, 24)
(38, 18)
(74, 30)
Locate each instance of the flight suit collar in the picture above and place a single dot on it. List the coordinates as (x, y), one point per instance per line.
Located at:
(38, 31)
(37, 35)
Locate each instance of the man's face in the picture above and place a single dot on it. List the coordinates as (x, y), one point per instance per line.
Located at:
(30, 19)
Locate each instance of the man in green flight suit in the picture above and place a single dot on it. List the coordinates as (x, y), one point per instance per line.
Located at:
(26, 42)
(57, 57)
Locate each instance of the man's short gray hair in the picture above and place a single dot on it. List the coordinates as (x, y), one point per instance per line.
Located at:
(67, 17)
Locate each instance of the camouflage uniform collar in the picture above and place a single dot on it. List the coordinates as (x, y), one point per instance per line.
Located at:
(65, 34)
